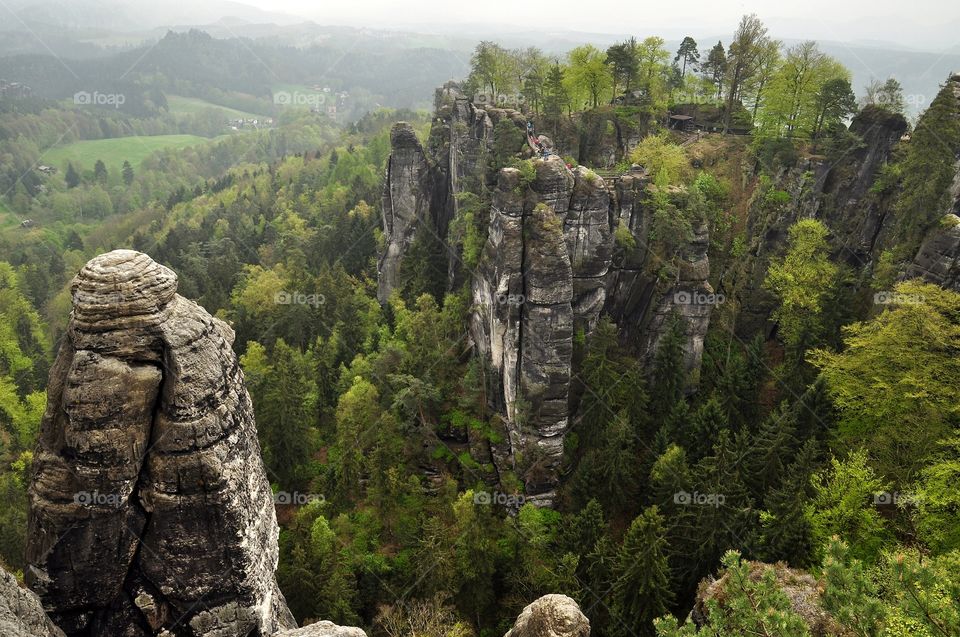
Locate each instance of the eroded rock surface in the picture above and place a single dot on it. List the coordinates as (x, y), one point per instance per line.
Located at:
(551, 616)
(406, 202)
(938, 260)
(21, 614)
(323, 629)
(149, 507)
(549, 269)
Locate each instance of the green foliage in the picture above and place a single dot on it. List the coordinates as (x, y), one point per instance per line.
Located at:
(284, 397)
(659, 156)
(641, 592)
(751, 606)
(928, 169)
(801, 281)
(893, 380)
(843, 505)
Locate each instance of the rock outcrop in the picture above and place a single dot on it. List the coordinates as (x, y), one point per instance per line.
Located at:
(323, 629)
(938, 260)
(551, 616)
(406, 202)
(150, 511)
(548, 270)
(691, 300)
(21, 614)
(523, 293)
(799, 587)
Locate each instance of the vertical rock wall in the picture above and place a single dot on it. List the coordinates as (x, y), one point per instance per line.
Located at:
(149, 506)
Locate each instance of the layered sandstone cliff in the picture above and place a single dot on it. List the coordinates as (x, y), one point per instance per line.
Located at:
(150, 510)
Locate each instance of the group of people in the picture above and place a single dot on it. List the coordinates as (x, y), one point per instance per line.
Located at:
(536, 143)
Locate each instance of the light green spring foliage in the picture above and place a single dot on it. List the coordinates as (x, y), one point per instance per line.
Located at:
(22, 340)
(801, 281)
(895, 380)
(800, 98)
(843, 505)
(938, 499)
(659, 155)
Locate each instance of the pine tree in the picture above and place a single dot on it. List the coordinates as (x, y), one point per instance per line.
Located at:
(771, 450)
(707, 423)
(100, 171)
(668, 370)
(556, 97)
(688, 53)
(127, 173)
(642, 590)
(786, 534)
(72, 177)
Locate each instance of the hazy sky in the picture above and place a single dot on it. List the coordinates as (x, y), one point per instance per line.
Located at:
(920, 23)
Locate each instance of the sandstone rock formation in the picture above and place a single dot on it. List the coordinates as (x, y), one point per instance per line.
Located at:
(938, 260)
(551, 616)
(21, 614)
(691, 299)
(548, 270)
(323, 629)
(406, 202)
(523, 295)
(150, 512)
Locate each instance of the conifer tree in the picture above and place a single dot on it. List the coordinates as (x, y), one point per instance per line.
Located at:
(642, 591)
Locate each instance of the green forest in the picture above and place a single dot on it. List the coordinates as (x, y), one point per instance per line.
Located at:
(823, 438)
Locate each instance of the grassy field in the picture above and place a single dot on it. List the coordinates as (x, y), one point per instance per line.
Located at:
(113, 152)
(188, 105)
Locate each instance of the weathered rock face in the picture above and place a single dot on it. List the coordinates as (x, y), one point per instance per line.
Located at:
(691, 300)
(149, 506)
(406, 202)
(548, 270)
(323, 629)
(551, 616)
(938, 260)
(21, 614)
(523, 293)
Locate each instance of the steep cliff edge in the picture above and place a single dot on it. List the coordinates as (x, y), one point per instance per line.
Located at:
(549, 268)
(150, 511)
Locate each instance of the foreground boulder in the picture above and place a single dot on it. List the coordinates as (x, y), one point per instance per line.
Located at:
(551, 616)
(323, 629)
(21, 614)
(150, 511)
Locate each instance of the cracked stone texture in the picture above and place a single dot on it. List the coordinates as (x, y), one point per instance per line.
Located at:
(541, 278)
(551, 616)
(21, 614)
(150, 511)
